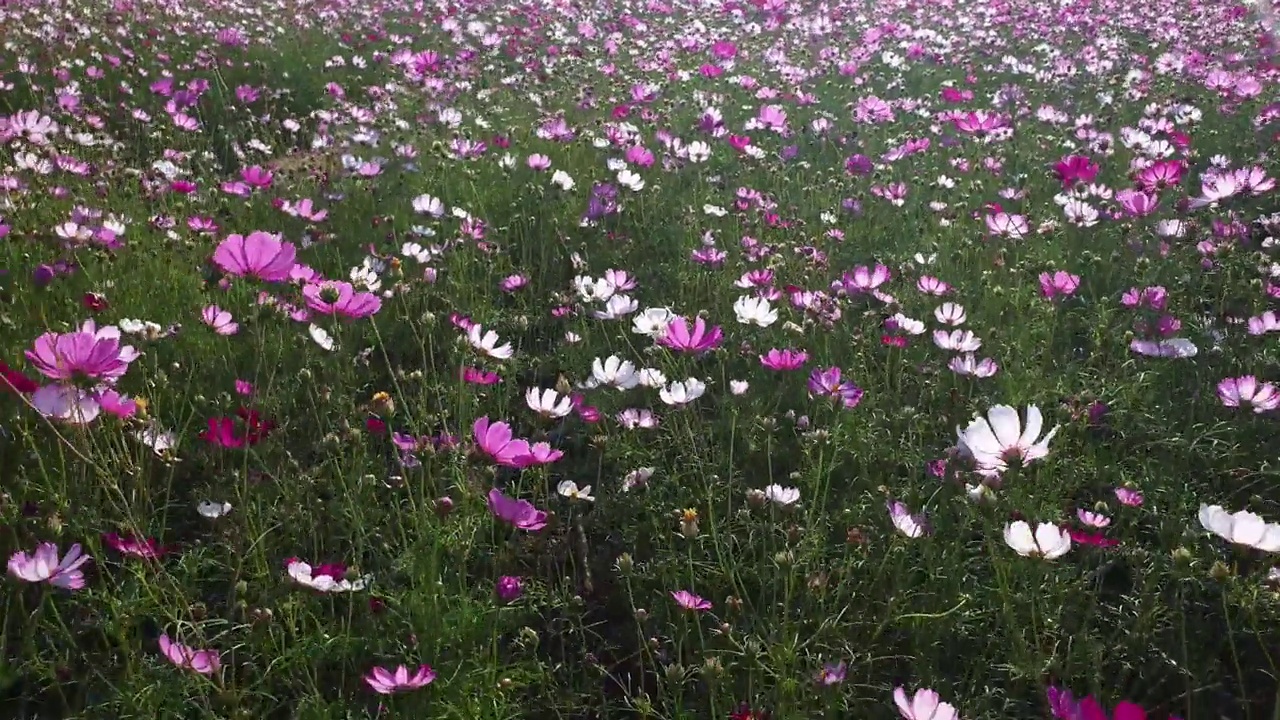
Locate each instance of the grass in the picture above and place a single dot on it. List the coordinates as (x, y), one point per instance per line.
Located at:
(1171, 617)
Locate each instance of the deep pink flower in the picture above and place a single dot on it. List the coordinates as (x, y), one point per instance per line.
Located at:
(261, 255)
(520, 513)
(1058, 284)
(136, 546)
(88, 353)
(786, 359)
(700, 338)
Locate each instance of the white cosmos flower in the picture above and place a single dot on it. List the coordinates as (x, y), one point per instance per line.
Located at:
(618, 306)
(301, 574)
(652, 378)
(562, 180)
(682, 392)
(1241, 527)
(753, 310)
(590, 289)
(615, 372)
(630, 180)
(908, 325)
(652, 322)
(1049, 541)
(992, 441)
(487, 343)
(1166, 348)
(570, 489)
(968, 364)
(548, 402)
(910, 525)
(950, 314)
(322, 337)
(738, 387)
(957, 340)
(213, 510)
(782, 496)
(428, 205)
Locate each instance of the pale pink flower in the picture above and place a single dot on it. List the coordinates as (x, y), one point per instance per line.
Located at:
(44, 566)
(204, 662)
(386, 682)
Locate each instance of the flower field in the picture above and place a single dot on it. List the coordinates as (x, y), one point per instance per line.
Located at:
(675, 360)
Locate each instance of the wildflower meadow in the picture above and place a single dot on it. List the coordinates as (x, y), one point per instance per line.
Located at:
(655, 359)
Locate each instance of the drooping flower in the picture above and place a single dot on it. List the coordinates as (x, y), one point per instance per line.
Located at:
(220, 320)
(260, 255)
(44, 566)
(999, 438)
(912, 525)
(519, 513)
(204, 662)
(388, 682)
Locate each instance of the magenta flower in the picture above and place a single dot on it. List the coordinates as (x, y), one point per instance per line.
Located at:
(689, 601)
(336, 297)
(91, 353)
(148, 548)
(509, 588)
(205, 662)
(787, 359)
(699, 339)
(1058, 284)
(386, 682)
(1065, 707)
(520, 513)
(540, 454)
(496, 441)
(260, 255)
(43, 566)
(828, 382)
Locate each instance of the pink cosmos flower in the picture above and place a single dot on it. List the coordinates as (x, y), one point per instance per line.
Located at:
(520, 513)
(1129, 497)
(337, 297)
(698, 339)
(90, 353)
(829, 382)
(220, 320)
(43, 566)
(204, 662)
(260, 255)
(386, 682)
(924, 705)
(1058, 284)
(1247, 391)
(689, 601)
(787, 359)
(496, 441)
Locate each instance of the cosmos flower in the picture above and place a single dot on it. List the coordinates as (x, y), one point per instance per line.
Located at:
(389, 682)
(992, 442)
(204, 662)
(924, 705)
(90, 353)
(1246, 390)
(696, 339)
(689, 601)
(260, 255)
(1048, 541)
(1241, 527)
(43, 566)
(519, 513)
